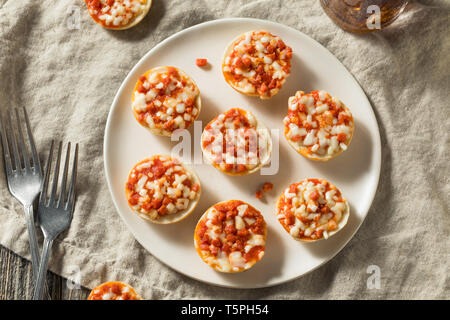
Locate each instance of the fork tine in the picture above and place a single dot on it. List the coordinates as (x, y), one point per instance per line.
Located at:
(13, 141)
(23, 148)
(71, 197)
(56, 176)
(6, 153)
(64, 178)
(34, 154)
(44, 188)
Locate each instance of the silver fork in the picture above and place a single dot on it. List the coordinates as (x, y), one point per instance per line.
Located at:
(55, 212)
(23, 173)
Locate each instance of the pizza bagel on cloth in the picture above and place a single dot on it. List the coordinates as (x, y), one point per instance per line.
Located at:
(114, 290)
(118, 14)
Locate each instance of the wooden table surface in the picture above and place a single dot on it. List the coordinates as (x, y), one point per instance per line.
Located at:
(16, 280)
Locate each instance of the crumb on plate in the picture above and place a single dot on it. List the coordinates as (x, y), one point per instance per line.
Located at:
(267, 186)
(201, 62)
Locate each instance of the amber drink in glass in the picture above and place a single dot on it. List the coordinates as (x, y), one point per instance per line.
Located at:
(362, 16)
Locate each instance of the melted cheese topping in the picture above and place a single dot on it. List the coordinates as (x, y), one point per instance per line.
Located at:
(115, 13)
(113, 290)
(310, 209)
(159, 186)
(166, 99)
(318, 124)
(231, 236)
(258, 64)
(234, 142)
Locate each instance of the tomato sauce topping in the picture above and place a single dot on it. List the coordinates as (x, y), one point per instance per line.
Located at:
(235, 143)
(113, 290)
(310, 209)
(231, 236)
(258, 64)
(159, 186)
(115, 13)
(319, 124)
(166, 99)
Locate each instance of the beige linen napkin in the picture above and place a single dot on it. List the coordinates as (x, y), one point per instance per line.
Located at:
(67, 77)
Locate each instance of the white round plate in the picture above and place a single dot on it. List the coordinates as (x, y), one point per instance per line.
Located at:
(355, 172)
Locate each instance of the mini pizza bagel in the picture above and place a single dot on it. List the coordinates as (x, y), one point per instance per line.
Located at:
(113, 290)
(318, 126)
(236, 143)
(118, 14)
(312, 209)
(166, 99)
(257, 63)
(231, 236)
(162, 190)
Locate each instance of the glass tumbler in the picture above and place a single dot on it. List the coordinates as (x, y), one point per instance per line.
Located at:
(362, 16)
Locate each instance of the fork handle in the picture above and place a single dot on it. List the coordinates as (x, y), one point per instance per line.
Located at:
(34, 246)
(40, 282)
(34, 249)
